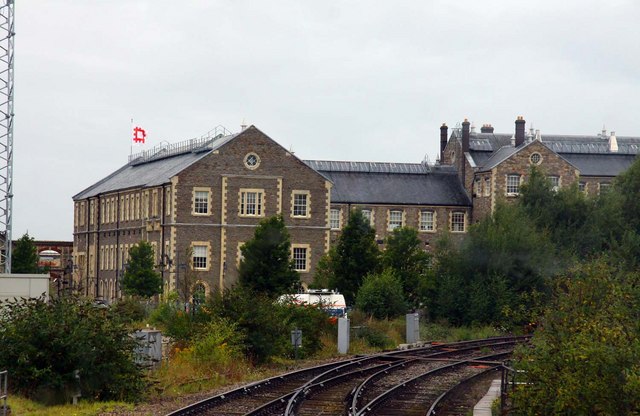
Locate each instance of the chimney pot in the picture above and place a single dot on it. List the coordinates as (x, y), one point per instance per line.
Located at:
(486, 128)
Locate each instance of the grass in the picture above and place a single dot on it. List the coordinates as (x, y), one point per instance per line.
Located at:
(21, 406)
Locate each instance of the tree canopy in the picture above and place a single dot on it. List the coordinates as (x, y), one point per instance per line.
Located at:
(404, 254)
(355, 255)
(140, 277)
(24, 257)
(266, 265)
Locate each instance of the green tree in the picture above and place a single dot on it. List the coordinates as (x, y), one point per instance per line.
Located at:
(70, 334)
(585, 359)
(381, 295)
(24, 257)
(266, 266)
(405, 256)
(140, 278)
(356, 254)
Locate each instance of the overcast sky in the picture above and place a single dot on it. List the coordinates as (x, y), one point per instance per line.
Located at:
(338, 80)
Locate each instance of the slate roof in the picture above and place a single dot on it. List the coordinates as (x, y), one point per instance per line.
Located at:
(392, 183)
(590, 154)
(600, 165)
(156, 166)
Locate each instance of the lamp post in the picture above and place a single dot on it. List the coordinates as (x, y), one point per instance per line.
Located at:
(68, 271)
(120, 273)
(165, 261)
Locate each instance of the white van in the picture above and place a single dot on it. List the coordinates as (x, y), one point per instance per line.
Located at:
(329, 300)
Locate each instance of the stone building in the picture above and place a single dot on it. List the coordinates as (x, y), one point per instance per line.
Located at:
(198, 201)
(492, 166)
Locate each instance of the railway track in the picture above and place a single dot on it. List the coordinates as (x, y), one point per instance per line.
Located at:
(395, 382)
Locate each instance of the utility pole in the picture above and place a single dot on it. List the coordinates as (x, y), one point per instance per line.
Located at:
(7, 35)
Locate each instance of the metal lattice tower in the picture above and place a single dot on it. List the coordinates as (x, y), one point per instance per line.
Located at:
(7, 35)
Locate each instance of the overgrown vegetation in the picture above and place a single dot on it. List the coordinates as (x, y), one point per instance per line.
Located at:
(54, 349)
(586, 358)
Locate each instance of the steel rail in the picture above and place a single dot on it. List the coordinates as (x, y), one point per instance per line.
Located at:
(469, 380)
(358, 391)
(382, 398)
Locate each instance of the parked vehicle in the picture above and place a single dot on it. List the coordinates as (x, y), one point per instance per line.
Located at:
(330, 301)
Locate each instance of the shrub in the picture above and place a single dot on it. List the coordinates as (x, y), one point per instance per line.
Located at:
(381, 296)
(129, 310)
(311, 320)
(218, 345)
(257, 318)
(43, 344)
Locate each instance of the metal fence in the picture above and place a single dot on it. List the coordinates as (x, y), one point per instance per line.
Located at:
(3, 392)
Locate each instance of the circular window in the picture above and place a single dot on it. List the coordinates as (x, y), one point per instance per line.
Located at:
(251, 160)
(535, 158)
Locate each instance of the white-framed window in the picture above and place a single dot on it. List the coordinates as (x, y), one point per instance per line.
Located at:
(487, 186)
(199, 257)
(201, 201)
(334, 219)
(300, 254)
(427, 222)
(368, 215)
(395, 219)
(251, 203)
(555, 183)
(101, 257)
(300, 204)
(457, 221)
(582, 186)
(603, 187)
(167, 202)
(513, 184)
(81, 213)
(145, 205)
(154, 203)
(477, 187)
(535, 158)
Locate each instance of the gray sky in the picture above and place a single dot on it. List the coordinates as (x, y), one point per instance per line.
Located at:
(338, 80)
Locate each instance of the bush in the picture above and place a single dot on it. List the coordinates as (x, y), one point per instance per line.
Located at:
(218, 345)
(376, 338)
(174, 321)
(130, 310)
(381, 296)
(311, 320)
(257, 318)
(43, 344)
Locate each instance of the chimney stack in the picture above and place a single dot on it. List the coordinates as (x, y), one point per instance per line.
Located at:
(465, 135)
(519, 131)
(444, 134)
(486, 128)
(613, 143)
